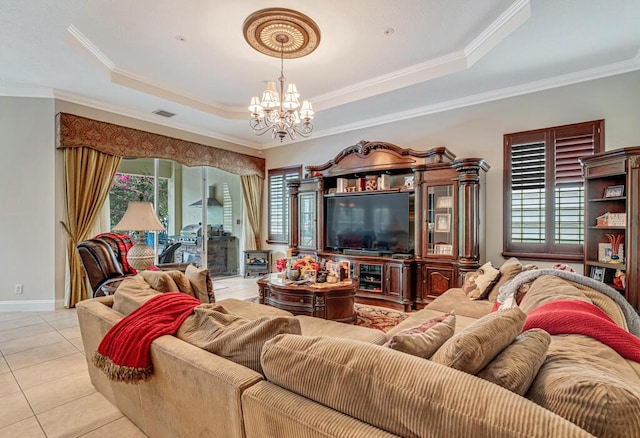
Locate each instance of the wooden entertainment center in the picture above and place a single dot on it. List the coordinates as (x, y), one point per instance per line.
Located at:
(409, 222)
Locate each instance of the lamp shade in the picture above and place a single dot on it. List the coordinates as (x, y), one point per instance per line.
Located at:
(139, 217)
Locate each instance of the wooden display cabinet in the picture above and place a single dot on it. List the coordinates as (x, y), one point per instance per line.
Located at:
(439, 239)
(612, 190)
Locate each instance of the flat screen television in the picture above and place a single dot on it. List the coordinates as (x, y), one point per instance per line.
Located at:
(379, 222)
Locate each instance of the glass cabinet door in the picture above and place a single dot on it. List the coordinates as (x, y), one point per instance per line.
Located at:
(441, 220)
(307, 228)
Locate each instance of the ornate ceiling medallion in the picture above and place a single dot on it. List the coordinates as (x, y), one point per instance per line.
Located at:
(280, 32)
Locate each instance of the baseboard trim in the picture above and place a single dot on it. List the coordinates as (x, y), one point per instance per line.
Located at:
(27, 306)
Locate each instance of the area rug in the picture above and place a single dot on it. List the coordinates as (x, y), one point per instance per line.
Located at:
(379, 318)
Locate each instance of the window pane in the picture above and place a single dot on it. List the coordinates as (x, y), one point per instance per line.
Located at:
(569, 217)
(528, 216)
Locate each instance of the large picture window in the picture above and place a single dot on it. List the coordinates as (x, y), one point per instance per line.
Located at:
(279, 202)
(544, 190)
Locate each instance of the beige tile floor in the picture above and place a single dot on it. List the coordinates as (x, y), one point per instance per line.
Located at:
(44, 385)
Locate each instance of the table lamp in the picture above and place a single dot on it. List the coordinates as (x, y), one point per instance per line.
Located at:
(140, 217)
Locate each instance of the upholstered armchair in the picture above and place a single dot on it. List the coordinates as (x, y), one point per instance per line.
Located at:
(103, 268)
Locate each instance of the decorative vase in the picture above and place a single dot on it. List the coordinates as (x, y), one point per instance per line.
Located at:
(293, 274)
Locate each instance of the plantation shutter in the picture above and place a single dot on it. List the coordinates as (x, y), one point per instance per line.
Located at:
(279, 202)
(544, 190)
(569, 146)
(528, 192)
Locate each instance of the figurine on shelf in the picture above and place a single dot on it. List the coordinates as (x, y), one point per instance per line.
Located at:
(615, 240)
(619, 280)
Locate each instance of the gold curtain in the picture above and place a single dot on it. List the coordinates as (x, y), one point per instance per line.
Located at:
(88, 178)
(252, 195)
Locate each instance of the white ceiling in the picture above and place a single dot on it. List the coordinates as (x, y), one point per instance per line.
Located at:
(124, 56)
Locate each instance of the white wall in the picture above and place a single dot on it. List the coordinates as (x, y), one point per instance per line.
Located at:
(27, 221)
(32, 185)
(477, 131)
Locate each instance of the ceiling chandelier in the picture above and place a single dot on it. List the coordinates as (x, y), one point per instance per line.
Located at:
(282, 33)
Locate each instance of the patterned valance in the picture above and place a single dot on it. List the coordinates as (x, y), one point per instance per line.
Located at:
(75, 131)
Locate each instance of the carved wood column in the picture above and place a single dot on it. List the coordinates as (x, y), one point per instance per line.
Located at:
(293, 187)
(420, 222)
(469, 201)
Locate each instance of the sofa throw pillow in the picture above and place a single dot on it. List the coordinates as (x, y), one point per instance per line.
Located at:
(201, 283)
(159, 280)
(474, 347)
(425, 339)
(183, 283)
(517, 365)
(233, 337)
(478, 284)
(508, 271)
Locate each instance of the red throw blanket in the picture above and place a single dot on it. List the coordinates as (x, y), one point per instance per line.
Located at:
(124, 242)
(582, 318)
(124, 354)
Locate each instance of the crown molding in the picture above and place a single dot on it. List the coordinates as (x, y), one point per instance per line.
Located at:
(35, 92)
(151, 118)
(614, 69)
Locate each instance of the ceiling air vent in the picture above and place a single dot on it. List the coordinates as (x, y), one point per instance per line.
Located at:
(163, 113)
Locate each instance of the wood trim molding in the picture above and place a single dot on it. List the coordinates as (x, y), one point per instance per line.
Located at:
(76, 131)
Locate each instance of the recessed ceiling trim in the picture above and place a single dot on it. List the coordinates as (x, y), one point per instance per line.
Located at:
(93, 50)
(145, 85)
(508, 21)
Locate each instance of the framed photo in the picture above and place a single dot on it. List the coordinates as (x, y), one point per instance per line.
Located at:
(442, 249)
(604, 253)
(443, 222)
(614, 191)
(597, 273)
(444, 202)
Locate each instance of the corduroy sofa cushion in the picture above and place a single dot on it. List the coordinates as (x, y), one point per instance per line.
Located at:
(213, 328)
(474, 347)
(403, 394)
(591, 385)
(517, 365)
(425, 339)
(132, 293)
(455, 299)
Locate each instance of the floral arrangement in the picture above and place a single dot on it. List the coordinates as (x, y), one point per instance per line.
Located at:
(305, 263)
(281, 264)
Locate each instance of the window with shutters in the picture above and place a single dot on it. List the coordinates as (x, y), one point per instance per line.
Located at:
(227, 208)
(544, 190)
(279, 202)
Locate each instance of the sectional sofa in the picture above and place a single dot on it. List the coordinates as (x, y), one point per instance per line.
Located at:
(330, 379)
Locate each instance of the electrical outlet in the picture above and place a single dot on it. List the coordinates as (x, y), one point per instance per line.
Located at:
(18, 288)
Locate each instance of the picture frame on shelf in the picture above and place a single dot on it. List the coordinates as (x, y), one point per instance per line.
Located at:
(443, 222)
(443, 249)
(604, 253)
(597, 273)
(614, 191)
(444, 202)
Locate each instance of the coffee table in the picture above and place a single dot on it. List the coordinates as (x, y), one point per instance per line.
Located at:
(332, 301)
